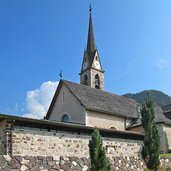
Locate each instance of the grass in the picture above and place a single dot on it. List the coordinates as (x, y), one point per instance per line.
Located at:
(165, 155)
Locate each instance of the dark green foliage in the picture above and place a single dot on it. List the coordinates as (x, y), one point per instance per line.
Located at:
(158, 97)
(151, 148)
(1, 147)
(99, 161)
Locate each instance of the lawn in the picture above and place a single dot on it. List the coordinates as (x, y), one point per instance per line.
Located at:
(165, 155)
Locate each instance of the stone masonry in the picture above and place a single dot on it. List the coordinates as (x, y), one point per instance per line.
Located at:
(36, 142)
(58, 163)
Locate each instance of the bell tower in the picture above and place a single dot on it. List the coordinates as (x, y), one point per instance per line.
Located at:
(91, 73)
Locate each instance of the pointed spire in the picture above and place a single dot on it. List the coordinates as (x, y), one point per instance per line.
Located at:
(91, 45)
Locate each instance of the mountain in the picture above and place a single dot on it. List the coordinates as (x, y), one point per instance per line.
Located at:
(158, 97)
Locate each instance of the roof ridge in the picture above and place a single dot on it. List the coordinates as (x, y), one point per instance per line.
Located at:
(107, 92)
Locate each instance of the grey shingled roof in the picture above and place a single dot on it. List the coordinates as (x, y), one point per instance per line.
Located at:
(166, 108)
(97, 100)
(159, 117)
(167, 121)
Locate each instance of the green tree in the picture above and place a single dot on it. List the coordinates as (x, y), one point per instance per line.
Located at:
(151, 148)
(99, 161)
(1, 147)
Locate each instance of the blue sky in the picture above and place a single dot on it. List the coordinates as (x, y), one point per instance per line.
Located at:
(40, 38)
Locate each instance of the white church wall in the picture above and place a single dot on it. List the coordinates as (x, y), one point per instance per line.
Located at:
(67, 103)
(167, 135)
(101, 120)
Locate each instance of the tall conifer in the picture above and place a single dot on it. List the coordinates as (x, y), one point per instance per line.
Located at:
(151, 148)
(99, 161)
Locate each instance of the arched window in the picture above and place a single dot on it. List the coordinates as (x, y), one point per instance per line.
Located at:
(65, 118)
(112, 127)
(97, 81)
(85, 80)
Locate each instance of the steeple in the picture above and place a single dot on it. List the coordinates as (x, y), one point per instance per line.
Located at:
(91, 45)
(92, 73)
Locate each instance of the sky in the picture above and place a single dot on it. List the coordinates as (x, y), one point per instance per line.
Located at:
(40, 38)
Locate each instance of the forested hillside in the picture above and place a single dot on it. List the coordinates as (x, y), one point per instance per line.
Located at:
(158, 97)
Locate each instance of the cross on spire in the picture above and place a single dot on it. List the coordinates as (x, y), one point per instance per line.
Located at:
(91, 45)
(90, 8)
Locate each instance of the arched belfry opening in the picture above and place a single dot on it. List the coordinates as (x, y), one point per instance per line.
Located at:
(97, 81)
(85, 80)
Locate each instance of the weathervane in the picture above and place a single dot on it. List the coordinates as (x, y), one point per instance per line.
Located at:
(90, 9)
(60, 74)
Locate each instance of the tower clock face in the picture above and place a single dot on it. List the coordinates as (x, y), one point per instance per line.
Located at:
(97, 64)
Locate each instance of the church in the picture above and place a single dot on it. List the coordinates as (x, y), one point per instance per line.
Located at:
(88, 104)
(75, 110)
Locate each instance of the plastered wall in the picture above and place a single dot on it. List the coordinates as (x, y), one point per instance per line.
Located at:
(105, 121)
(69, 105)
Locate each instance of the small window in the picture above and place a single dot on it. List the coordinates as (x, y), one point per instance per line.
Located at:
(112, 127)
(65, 118)
(96, 58)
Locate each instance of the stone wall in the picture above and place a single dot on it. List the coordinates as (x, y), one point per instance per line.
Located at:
(58, 163)
(165, 136)
(36, 142)
(5, 138)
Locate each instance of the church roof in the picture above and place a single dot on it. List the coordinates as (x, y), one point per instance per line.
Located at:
(159, 118)
(167, 108)
(100, 101)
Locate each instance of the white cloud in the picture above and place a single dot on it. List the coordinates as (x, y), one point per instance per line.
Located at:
(161, 63)
(38, 100)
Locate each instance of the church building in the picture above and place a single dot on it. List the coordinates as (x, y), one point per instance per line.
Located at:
(88, 104)
(75, 110)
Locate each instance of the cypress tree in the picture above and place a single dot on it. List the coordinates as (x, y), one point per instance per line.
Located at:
(99, 161)
(151, 149)
(1, 148)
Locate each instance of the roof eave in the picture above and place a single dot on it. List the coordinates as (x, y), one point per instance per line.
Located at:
(111, 113)
(28, 122)
(53, 100)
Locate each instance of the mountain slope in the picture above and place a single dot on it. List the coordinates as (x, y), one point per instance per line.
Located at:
(158, 97)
